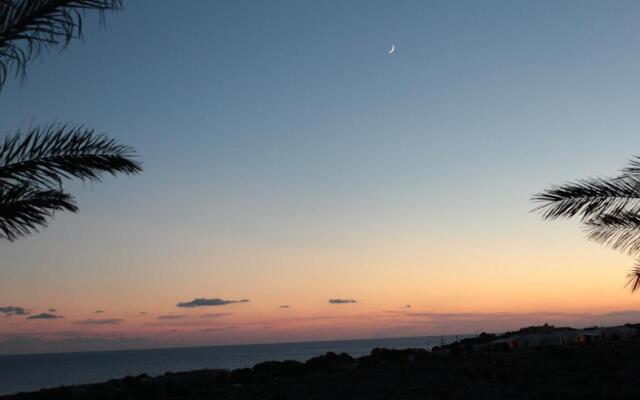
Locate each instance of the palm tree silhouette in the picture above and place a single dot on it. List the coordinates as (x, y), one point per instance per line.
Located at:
(609, 209)
(34, 164)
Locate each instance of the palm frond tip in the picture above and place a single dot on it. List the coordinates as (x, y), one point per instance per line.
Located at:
(621, 230)
(590, 197)
(634, 278)
(29, 26)
(633, 166)
(25, 209)
(608, 207)
(48, 155)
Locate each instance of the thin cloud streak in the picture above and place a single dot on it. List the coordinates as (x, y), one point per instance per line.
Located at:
(224, 328)
(215, 315)
(107, 321)
(470, 322)
(171, 316)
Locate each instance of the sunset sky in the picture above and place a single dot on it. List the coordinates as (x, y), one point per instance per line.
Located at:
(289, 160)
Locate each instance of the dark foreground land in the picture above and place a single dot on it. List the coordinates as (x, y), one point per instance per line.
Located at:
(605, 371)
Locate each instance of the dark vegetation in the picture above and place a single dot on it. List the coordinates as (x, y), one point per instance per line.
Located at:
(589, 372)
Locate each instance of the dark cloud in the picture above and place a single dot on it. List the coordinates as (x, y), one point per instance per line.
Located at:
(284, 306)
(202, 302)
(13, 310)
(45, 316)
(215, 315)
(171, 316)
(407, 306)
(52, 310)
(342, 301)
(143, 313)
(99, 312)
(107, 321)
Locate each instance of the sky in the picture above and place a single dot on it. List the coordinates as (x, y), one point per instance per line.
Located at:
(289, 160)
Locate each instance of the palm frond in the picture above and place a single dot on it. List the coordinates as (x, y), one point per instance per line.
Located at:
(590, 197)
(25, 208)
(621, 230)
(608, 207)
(633, 167)
(47, 155)
(634, 277)
(29, 26)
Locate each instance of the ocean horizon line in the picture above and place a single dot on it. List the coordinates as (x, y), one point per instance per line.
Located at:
(275, 343)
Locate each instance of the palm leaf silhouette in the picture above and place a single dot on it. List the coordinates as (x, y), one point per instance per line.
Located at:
(27, 27)
(47, 155)
(590, 197)
(34, 165)
(620, 230)
(24, 209)
(634, 278)
(608, 207)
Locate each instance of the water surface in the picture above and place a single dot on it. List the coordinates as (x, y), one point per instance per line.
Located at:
(20, 373)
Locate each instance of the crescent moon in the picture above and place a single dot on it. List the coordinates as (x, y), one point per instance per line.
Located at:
(393, 49)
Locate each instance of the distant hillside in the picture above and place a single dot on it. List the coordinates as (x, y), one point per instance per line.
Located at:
(484, 337)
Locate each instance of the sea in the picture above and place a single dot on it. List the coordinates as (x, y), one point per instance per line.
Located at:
(30, 372)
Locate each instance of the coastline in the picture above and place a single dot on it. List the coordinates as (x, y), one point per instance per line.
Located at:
(461, 370)
(30, 372)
